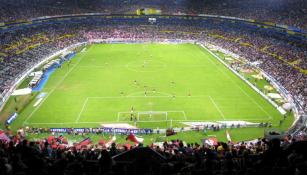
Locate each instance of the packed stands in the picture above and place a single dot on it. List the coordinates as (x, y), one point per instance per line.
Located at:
(283, 12)
(53, 156)
(280, 55)
(22, 49)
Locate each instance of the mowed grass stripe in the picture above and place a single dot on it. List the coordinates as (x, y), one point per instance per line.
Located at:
(191, 75)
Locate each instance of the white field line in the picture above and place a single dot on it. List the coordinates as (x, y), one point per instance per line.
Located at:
(182, 112)
(137, 94)
(176, 111)
(82, 109)
(103, 66)
(62, 123)
(255, 102)
(143, 96)
(170, 111)
(162, 96)
(200, 96)
(116, 97)
(216, 106)
(52, 90)
(118, 115)
(242, 90)
(185, 116)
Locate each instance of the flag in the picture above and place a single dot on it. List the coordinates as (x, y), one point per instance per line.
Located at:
(212, 141)
(228, 136)
(4, 137)
(134, 138)
(85, 142)
(108, 144)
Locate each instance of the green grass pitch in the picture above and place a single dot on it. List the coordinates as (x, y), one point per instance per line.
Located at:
(178, 82)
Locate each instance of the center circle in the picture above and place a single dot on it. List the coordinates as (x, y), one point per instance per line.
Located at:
(146, 65)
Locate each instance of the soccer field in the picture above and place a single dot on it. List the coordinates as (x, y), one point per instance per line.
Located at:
(161, 82)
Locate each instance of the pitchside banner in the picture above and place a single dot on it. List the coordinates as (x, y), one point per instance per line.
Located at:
(102, 130)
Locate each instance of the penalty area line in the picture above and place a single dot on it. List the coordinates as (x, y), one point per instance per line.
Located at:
(82, 109)
(52, 90)
(216, 106)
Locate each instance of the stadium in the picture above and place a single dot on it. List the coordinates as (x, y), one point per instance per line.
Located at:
(153, 87)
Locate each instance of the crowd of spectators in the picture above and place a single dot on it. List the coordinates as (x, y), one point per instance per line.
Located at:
(274, 55)
(284, 12)
(280, 57)
(22, 49)
(23, 157)
(25, 47)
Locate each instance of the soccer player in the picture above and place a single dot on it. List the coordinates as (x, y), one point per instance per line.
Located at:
(131, 113)
(145, 93)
